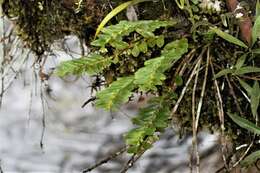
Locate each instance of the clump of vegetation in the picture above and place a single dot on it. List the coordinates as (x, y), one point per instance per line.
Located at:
(199, 59)
(41, 22)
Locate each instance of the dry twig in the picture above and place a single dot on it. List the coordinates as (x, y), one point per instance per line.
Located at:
(105, 160)
(221, 117)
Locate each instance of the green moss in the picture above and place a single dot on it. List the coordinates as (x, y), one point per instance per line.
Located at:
(41, 22)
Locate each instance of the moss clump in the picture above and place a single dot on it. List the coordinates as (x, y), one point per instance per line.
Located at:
(40, 22)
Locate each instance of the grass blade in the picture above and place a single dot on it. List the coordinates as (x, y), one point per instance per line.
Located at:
(256, 30)
(228, 37)
(257, 9)
(247, 69)
(223, 73)
(255, 97)
(244, 123)
(241, 61)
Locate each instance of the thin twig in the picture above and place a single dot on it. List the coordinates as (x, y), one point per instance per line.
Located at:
(131, 162)
(30, 105)
(175, 108)
(2, 59)
(105, 160)
(234, 96)
(245, 153)
(221, 117)
(194, 130)
(43, 118)
(203, 90)
(242, 92)
(183, 66)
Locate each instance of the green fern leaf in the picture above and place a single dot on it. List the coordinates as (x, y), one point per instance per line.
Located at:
(124, 28)
(152, 74)
(117, 93)
(92, 64)
(152, 119)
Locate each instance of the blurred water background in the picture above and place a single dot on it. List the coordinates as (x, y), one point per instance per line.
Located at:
(74, 137)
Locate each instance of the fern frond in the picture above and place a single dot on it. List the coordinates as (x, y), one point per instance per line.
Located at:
(152, 119)
(117, 93)
(152, 74)
(124, 28)
(92, 64)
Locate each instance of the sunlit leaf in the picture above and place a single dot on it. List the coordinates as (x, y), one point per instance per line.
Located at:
(151, 119)
(152, 74)
(180, 4)
(143, 47)
(119, 44)
(92, 64)
(136, 51)
(160, 41)
(115, 33)
(114, 95)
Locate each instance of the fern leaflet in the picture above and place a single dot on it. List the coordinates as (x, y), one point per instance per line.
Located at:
(152, 74)
(92, 64)
(114, 33)
(152, 119)
(118, 92)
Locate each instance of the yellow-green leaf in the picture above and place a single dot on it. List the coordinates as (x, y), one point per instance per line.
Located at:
(117, 93)
(160, 41)
(135, 51)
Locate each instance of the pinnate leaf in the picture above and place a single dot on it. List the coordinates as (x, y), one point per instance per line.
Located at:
(152, 74)
(92, 64)
(150, 120)
(114, 95)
